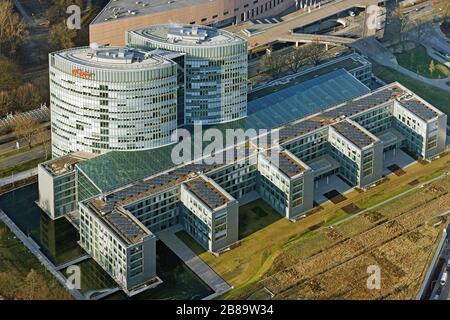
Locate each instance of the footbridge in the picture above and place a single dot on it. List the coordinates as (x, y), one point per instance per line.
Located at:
(260, 37)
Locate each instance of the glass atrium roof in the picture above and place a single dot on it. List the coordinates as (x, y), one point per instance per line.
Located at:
(116, 169)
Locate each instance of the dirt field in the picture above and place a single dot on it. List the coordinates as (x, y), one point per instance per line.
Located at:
(399, 238)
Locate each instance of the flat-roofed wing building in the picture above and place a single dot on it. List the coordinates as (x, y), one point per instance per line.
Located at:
(346, 133)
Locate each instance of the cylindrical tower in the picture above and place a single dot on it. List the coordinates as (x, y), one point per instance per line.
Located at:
(107, 98)
(216, 68)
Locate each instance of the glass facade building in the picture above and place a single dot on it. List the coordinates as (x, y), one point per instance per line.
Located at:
(216, 69)
(105, 99)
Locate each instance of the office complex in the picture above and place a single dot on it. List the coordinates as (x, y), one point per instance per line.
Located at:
(106, 98)
(120, 16)
(215, 68)
(345, 133)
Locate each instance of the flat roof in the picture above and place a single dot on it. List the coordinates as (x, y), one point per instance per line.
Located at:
(122, 9)
(353, 133)
(390, 136)
(340, 112)
(289, 165)
(120, 222)
(120, 58)
(65, 164)
(348, 62)
(187, 35)
(267, 112)
(419, 109)
(207, 192)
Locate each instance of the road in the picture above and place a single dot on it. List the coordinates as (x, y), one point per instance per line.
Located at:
(381, 55)
(25, 156)
(296, 19)
(29, 21)
(442, 292)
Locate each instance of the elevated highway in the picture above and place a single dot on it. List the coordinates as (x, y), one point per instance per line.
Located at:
(323, 39)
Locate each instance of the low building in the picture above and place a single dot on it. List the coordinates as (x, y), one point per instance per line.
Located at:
(120, 16)
(210, 214)
(345, 133)
(58, 194)
(120, 244)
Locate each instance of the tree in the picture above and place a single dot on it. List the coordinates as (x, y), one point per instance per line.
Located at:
(432, 67)
(315, 52)
(56, 13)
(25, 129)
(42, 137)
(6, 103)
(60, 37)
(403, 24)
(27, 97)
(13, 31)
(273, 64)
(298, 59)
(9, 75)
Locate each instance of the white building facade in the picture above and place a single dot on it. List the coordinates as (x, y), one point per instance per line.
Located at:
(106, 99)
(216, 68)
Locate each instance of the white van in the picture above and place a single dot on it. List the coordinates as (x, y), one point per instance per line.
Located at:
(444, 278)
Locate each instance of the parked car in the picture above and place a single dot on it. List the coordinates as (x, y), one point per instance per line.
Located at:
(444, 278)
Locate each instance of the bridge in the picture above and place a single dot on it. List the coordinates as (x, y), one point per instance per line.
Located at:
(261, 38)
(323, 39)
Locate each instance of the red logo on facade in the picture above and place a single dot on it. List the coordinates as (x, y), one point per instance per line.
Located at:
(82, 74)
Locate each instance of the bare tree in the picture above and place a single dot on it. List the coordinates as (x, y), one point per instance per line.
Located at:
(43, 138)
(422, 29)
(60, 37)
(25, 129)
(315, 52)
(298, 59)
(13, 31)
(273, 64)
(403, 24)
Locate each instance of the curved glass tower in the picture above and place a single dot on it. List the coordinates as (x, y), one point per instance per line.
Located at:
(107, 98)
(216, 68)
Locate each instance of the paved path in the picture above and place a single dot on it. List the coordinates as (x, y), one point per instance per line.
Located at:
(22, 157)
(29, 21)
(389, 200)
(18, 176)
(35, 250)
(381, 55)
(197, 265)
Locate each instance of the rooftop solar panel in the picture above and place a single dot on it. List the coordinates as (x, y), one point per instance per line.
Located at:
(353, 134)
(419, 109)
(204, 190)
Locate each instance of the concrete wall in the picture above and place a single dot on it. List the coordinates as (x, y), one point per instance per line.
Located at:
(232, 210)
(46, 192)
(149, 262)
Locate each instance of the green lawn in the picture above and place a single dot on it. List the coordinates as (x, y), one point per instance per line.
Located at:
(437, 97)
(17, 280)
(190, 242)
(21, 167)
(418, 61)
